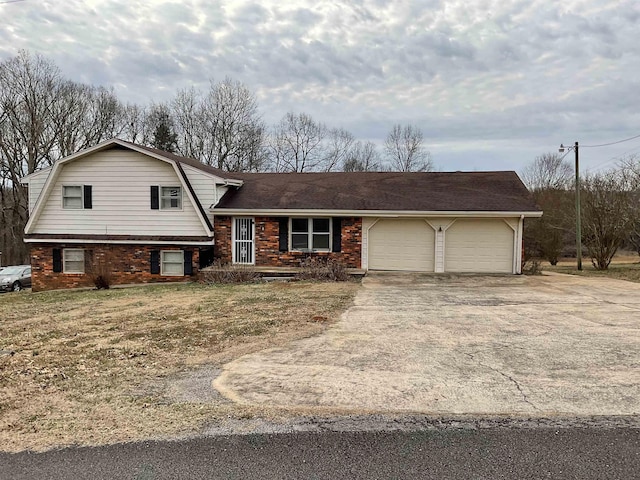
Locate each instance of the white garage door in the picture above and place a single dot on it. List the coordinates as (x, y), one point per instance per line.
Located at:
(401, 244)
(484, 246)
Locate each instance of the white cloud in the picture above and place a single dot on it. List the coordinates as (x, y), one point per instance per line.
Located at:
(471, 74)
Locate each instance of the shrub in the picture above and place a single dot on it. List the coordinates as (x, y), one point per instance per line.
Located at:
(532, 266)
(100, 270)
(228, 273)
(326, 269)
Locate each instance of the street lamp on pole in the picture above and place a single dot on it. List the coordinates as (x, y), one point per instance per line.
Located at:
(575, 148)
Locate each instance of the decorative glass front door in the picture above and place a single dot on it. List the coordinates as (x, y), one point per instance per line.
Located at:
(243, 240)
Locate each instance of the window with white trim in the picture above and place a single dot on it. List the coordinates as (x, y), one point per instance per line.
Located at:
(73, 260)
(170, 198)
(172, 262)
(311, 234)
(72, 196)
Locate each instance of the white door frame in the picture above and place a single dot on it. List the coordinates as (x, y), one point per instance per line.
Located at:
(237, 245)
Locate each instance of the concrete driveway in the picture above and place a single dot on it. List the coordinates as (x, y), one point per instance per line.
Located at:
(547, 345)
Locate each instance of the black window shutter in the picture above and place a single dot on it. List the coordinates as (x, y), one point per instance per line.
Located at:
(155, 197)
(155, 261)
(188, 262)
(337, 234)
(284, 234)
(57, 260)
(88, 200)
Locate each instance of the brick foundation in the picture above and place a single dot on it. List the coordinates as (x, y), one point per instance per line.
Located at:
(127, 264)
(267, 243)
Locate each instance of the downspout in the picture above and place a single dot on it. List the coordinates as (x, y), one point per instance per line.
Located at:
(519, 245)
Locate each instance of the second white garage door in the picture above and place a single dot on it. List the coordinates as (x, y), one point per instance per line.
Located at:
(483, 246)
(401, 244)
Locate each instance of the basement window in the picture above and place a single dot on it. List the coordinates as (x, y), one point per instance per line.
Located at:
(73, 260)
(172, 262)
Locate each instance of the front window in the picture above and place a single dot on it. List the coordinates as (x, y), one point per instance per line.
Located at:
(172, 262)
(310, 234)
(72, 196)
(170, 198)
(73, 260)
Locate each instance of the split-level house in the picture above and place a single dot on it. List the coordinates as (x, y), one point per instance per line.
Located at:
(153, 216)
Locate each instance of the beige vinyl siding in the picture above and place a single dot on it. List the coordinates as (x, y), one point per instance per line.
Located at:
(121, 183)
(204, 185)
(479, 246)
(36, 182)
(401, 244)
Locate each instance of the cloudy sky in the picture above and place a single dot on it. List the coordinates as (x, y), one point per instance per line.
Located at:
(491, 83)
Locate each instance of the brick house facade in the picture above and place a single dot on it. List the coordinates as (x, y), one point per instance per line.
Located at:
(268, 251)
(127, 264)
(131, 207)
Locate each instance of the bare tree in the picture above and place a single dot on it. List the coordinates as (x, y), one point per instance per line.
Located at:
(549, 236)
(548, 171)
(135, 127)
(222, 128)
(363, 157)
(85, 116)
(29, 87)
(630, 169)
(405, 149)
(548, 178)
(43, 117)
(297, 144)
(339, 145)
(608, 209)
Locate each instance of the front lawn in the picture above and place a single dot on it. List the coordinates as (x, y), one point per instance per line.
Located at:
(623, 267)
(93, 367)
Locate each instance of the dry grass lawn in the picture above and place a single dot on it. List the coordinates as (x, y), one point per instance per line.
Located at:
(625, 266)
(91, 367)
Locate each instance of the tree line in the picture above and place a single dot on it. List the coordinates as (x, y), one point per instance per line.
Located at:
(45, 116)
(610, 210)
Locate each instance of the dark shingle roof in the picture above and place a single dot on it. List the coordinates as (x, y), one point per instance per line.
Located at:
(392, 191)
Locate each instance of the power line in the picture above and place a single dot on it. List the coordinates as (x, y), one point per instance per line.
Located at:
(612, 143)
(12, 1)
(601, 166)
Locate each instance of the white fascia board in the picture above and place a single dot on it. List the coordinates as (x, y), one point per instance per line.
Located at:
(117, 242)
(44, 195)
(372, 213)
(233, 183)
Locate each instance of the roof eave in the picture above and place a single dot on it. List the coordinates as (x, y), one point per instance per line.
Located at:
(375, 213)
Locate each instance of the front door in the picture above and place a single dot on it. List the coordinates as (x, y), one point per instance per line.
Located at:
(243, 240)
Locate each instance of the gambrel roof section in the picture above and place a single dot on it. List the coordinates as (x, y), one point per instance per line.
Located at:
(218, 176)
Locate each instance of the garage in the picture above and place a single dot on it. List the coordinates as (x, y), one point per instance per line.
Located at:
(401, 244)
(479, 245)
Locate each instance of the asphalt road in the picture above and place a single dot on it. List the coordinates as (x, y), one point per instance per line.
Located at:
(536, 453)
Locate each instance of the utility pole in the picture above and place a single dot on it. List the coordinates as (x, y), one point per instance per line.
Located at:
(578, 215)
(578, 219)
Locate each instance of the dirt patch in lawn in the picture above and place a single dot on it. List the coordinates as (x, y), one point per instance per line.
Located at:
(96, 367)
